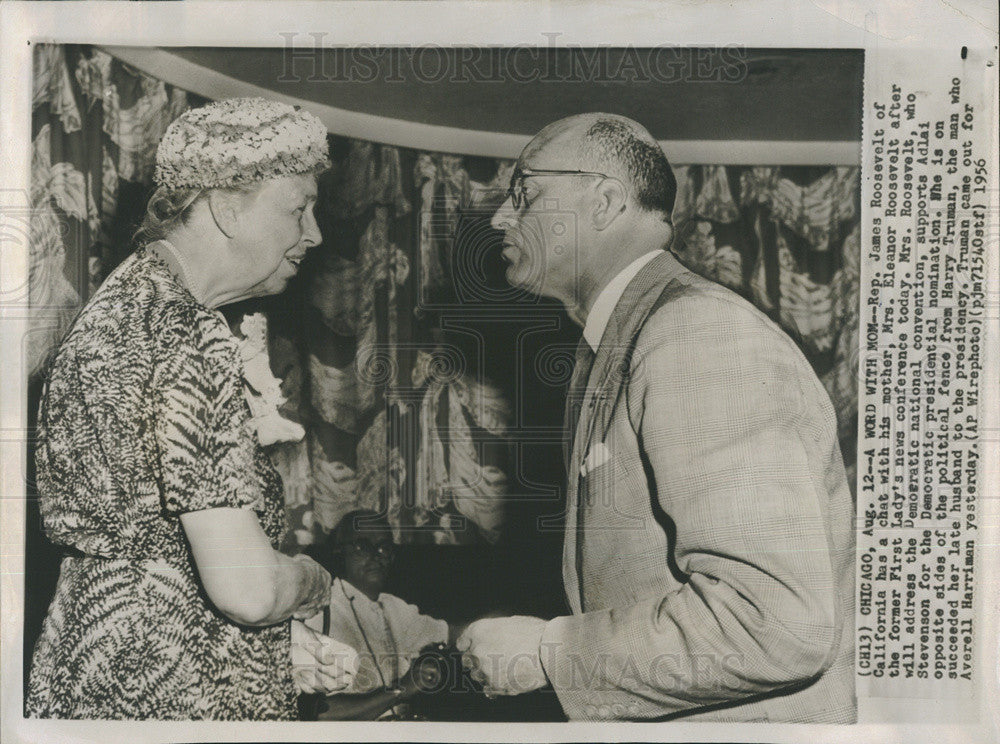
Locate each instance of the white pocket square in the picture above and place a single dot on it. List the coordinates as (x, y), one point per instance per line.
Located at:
(598, 455)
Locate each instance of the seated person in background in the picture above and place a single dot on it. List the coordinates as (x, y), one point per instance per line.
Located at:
(387, 632)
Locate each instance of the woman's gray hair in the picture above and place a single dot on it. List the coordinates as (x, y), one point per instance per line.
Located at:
(168, 209)
(165, 211)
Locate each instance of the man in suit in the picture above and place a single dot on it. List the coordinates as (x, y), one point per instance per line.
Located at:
(709, 543)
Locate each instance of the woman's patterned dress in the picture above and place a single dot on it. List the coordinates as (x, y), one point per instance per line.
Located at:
(143, 419)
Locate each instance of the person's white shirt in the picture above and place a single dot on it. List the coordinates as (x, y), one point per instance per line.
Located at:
(607, 300)
(389, 628)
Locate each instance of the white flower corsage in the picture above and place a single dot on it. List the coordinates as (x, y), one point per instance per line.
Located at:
(262, 389)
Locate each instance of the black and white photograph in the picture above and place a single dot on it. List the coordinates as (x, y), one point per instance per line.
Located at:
(465, 387)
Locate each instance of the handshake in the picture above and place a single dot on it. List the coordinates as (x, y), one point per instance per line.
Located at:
(501, 654)
(323, 665)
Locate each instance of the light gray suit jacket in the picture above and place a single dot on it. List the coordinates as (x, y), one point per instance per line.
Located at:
(709, 551)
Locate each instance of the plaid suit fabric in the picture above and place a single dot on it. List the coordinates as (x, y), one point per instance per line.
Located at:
(584, 360)
(709, 552)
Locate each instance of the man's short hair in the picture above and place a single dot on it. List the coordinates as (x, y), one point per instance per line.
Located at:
(614, 143)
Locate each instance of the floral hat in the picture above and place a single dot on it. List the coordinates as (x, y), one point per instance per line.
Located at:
(238, 141)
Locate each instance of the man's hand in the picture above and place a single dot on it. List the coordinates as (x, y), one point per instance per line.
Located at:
(320, 663)
(502, 654)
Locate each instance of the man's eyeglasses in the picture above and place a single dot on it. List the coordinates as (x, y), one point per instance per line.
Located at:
(386, 551)
(518, 195)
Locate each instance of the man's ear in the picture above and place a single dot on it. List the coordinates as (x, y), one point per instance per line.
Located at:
(611, 201)
(225, 209)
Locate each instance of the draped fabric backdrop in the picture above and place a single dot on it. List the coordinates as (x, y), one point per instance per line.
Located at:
(400, 415)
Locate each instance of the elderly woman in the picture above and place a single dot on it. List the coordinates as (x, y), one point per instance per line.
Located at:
(173, 601)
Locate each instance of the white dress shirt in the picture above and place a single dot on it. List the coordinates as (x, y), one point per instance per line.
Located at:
(607, 300)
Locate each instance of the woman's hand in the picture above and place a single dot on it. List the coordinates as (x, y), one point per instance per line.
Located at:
(316, 588)
(320, 664)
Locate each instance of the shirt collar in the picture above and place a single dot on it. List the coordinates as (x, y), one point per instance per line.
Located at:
(607, 300)
(352, 592)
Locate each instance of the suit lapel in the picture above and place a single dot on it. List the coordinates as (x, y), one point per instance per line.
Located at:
(608, 377)
(610, 370)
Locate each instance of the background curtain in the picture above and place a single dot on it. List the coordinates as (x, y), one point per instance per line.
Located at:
(405, 410)
(95, 127)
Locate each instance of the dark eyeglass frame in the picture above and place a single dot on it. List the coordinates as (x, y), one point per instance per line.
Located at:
(515, 191)
(386, 551)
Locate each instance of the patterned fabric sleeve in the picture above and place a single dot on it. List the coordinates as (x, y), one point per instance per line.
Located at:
(206, 444)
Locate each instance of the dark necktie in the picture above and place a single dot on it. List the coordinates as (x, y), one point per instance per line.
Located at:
(575, 395)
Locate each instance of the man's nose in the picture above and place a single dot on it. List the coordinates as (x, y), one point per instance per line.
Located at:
(503, 218)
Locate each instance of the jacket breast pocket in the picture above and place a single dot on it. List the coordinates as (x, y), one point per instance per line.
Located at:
(612, 487)
(600, 478)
